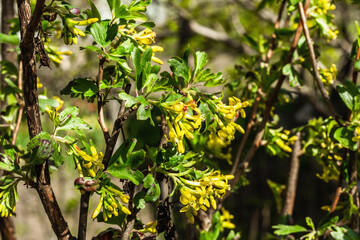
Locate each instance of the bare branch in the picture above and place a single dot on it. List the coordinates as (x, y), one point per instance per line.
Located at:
(28, 26)
(100, 101)
(314, 64)
(21, 106)
(271, 100)
(293, 178)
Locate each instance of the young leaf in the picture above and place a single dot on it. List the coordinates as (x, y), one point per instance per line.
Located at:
(130, 100)
(344, 135)
(124, 161)
(288, 229)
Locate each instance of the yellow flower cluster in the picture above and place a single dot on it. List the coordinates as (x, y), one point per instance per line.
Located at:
(227, 127)
(91, 163)
(282, 140)
(150, 227)
(225, 219)
(182, 120)
(70, 32)
(110, 204)
(201, 194)
(328, 76)
(54, 54)
(357, 135)
(7, 202)
(216, 145)
(323, 6)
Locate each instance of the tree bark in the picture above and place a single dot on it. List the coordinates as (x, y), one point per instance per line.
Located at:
(28, 27)
(7, 228)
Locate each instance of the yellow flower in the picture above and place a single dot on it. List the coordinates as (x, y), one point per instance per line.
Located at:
(202, 194)
(149, 227)
(357, 135)
(92, 163)
(182, 122)
(38, 84)
(225, 220)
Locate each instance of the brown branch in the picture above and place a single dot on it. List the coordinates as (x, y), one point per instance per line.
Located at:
(164, 131)
(257, 99)
(101, 103)
(293, 178)
(314, 63)
(339, 185)
(21, 106)
(270, 102)
(274, 37)
(353, 172)
(84, 207)
(28, 26)
(7, 228)
(247, 134)
(131, 218)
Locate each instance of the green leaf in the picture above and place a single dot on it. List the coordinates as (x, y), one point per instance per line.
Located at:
(153, 193)
(139, 200)
(47, 103)
(94, 11)
(44, 147)
(139, 5)
(288, 229)
(357, 65)
(293, 2)
(347, 93)
(9, 39)
(148, 180)
(344, 135)
(103, 33)
(124, 162)
(310, 223)
(81, 88)
(294, 77)
(180, 68)
(200, 61)
(94, 49)
(130, 100)
(144, 110)
(69, 121)
(6, 163)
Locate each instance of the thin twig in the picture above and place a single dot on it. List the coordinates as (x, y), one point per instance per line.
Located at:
(258, 98)
(293, 178)
(340, 180)
(353, 172)
(121, 117)
(130, 219)
(247, 134)
(274, 37)
(258, 138)
(101, 103)
(314, 63)
(164, 132)
(21, 106)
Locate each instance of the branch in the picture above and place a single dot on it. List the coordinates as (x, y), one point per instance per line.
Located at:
(28, 26)
(274, 37)
(314, 64)
(164, 132)
(130, 219)
(121, 117)
(84, 207)
(293, 178)
(21, 106)
(258, 138)
(101, 103)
